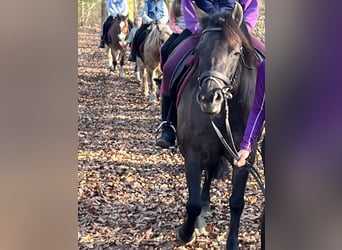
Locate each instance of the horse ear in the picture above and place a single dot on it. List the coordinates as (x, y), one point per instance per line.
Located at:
(237, 14)
(200, 13)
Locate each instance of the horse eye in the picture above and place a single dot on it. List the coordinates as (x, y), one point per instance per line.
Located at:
(237, 53)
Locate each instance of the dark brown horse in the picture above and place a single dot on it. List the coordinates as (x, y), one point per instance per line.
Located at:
(221, 88)
(118, 31)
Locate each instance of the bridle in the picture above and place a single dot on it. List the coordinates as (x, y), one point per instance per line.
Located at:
(124, 27)
(217, 77)
(226, 90)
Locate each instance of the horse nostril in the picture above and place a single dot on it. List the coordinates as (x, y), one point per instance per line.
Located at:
(217, 97)
(201, 98)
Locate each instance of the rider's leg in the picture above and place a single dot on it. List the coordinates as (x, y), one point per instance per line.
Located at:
(168, 106)
(105, 29)
(164, 50)
(137, 40)
(226, 6)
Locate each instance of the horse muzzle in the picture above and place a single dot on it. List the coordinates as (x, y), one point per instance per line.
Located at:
(210, 102)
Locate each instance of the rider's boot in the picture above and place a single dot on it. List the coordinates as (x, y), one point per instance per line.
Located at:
(102, 43)
(168, 134)
(132, 58)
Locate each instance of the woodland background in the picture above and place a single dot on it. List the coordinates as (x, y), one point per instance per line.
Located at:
(93, 12)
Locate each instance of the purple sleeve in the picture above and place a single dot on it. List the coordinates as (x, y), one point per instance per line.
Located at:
(257, 115)
(190, 17)
(251, 13)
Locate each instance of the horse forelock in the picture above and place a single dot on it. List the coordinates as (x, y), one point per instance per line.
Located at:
(232, 33)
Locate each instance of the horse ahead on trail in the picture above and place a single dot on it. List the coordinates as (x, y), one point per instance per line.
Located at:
(148, 58)
(218, 95)
(118, 31)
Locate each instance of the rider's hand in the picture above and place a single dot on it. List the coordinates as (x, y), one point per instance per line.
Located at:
(122, 43)
(243, 154)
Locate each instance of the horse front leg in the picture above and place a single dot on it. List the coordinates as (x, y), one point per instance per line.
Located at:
(110, 59)
(154, 90)
(236, 204)
(205, 194)
(146, 82)
(193, 177)
(122, 61)
(205, 198)
(149, 88)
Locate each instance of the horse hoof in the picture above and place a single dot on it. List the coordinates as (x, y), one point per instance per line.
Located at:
(232, 245)
(137, 76)
(183, 240)
(111, 68)
(203, 231)
(206, 210)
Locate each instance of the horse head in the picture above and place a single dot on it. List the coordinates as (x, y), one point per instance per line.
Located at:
(121, 27)
(221, 48)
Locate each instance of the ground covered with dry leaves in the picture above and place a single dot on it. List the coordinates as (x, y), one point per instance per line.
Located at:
(131, 195)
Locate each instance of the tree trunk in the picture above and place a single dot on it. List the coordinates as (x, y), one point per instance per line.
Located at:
(104, 12)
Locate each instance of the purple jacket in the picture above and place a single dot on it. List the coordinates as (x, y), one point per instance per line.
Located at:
(257, 115)
(251, 13)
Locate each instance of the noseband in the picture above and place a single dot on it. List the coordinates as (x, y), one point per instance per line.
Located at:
(215, 75)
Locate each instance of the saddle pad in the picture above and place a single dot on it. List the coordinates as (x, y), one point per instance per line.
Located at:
(187, 75)
(179, 74)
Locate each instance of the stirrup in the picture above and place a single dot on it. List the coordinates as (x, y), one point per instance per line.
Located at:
(165, 124)
(162, 125)
(158, 81)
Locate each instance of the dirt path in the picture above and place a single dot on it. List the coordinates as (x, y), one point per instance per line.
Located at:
(130, 195)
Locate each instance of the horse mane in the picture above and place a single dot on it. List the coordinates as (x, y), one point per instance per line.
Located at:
(232, 33)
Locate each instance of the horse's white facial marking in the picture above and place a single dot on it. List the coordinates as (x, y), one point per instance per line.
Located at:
(121, 36)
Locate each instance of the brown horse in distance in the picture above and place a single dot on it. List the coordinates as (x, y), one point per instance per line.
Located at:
(118, 31)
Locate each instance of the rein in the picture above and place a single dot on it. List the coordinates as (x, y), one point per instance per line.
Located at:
(226, 91)
(232, 149)
(233, 152)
